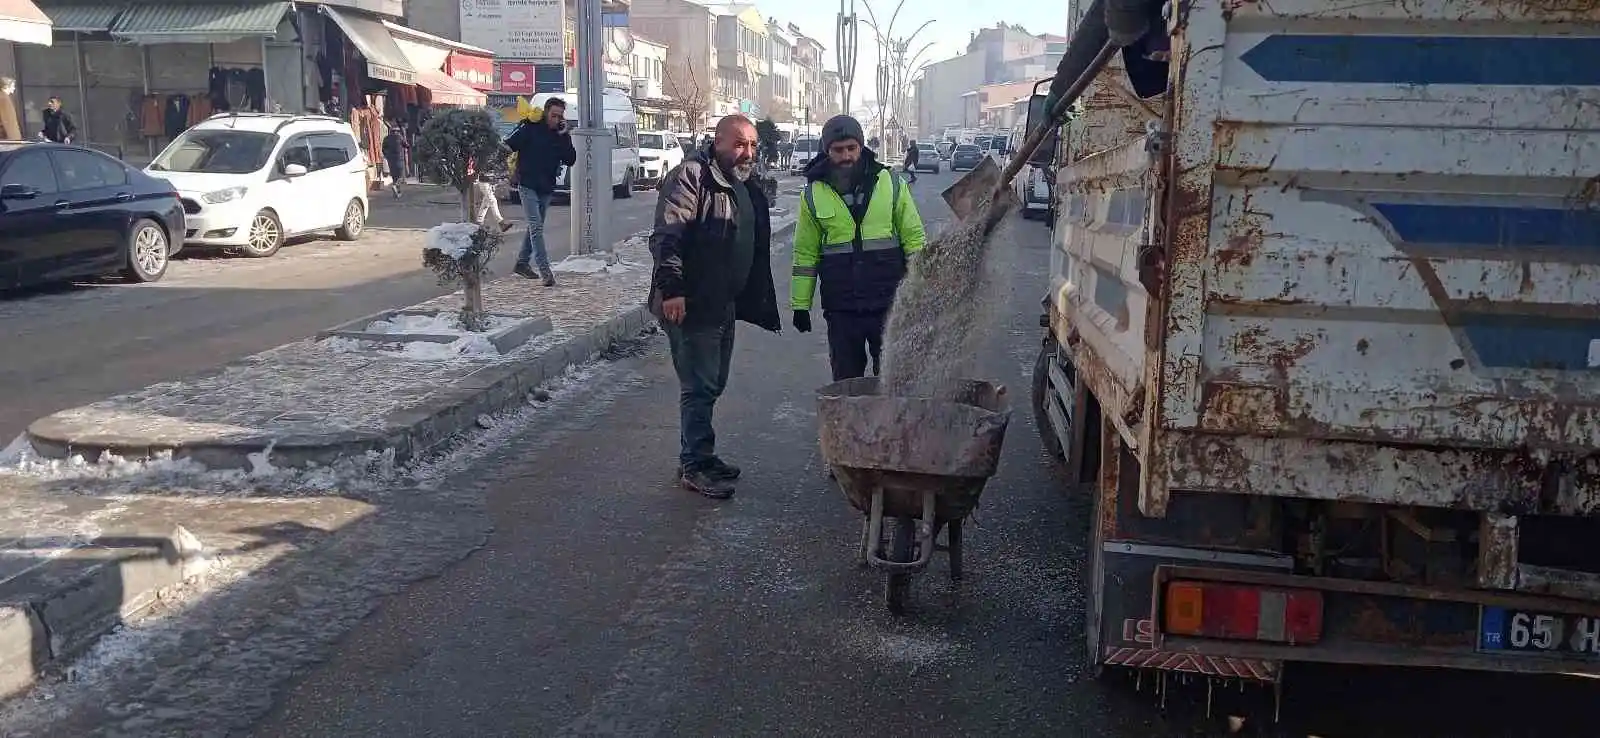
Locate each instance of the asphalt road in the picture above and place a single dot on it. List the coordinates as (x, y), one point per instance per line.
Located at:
(560, 585)
(74, 344)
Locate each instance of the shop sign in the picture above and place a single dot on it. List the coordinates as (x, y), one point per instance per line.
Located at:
(528, 30)
(516, 78)
(474, 71)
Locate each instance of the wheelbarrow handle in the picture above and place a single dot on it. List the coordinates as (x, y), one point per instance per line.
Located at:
(924, 535)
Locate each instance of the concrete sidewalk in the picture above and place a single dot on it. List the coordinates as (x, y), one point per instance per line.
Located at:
(79, 555)
(315, 402)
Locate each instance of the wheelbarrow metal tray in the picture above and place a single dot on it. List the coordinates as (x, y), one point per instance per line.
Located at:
(907, 445)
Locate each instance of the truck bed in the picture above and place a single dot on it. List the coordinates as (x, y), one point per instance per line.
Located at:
(1374, 232)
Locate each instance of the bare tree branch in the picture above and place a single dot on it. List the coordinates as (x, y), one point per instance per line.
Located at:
(687, 95)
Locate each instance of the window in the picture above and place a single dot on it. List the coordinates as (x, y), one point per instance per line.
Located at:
(295, 152)
(31, 168)
(329, 150)
(83, 170)
(216, 151)
(627, 135)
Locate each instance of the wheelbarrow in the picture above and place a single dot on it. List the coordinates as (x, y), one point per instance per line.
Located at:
(918, 461)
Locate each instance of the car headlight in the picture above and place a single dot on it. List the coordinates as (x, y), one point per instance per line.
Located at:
(228, 194)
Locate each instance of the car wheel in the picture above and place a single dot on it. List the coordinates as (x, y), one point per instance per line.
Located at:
(149, 251)
(266, 236)
(625, 190)
(355, 220)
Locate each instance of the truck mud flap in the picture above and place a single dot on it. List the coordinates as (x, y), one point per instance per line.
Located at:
(1128, 628)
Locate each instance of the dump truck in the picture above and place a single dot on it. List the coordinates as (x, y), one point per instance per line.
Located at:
(1322, 339)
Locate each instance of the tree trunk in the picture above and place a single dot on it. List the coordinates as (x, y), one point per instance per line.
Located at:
(466, 204)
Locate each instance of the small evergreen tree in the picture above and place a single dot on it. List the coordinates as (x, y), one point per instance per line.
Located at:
(769, 136)
(457, 147)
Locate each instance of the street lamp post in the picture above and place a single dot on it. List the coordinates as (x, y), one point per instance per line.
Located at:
(845, 34)
(892, 64)
(592, 182)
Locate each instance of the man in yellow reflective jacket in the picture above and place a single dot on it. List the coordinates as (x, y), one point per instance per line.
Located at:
(858, 225)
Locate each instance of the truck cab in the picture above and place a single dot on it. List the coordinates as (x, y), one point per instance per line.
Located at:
(1319, 340)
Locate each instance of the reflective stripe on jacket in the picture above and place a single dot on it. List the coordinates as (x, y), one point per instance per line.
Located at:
(859, 265)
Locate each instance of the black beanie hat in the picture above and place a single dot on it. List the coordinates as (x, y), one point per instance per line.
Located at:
(839, 128)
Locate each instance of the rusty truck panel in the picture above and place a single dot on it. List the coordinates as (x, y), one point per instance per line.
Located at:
(1380, 246)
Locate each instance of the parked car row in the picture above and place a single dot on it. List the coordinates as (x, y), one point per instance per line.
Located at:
(241, 181)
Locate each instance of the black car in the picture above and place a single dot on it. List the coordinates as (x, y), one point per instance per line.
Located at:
(966, 156)
(68, 212)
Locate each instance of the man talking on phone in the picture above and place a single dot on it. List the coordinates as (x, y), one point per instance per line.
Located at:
(712, 246)
(542, 148)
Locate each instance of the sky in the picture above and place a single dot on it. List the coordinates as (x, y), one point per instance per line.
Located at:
(955, 22)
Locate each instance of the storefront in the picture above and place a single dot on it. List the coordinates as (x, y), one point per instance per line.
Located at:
(435, 58)
(133, 76)
(21, 22)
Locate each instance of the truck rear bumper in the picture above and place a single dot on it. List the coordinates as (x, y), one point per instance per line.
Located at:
(1389, 624)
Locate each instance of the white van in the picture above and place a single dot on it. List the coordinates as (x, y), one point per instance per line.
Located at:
(623, 122)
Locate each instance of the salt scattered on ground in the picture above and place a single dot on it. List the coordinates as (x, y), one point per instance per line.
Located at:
(453, 239)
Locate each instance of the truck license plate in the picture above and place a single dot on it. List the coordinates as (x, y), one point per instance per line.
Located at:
(1502, 629)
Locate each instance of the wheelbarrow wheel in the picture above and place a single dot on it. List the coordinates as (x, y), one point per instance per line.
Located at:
(898, 584)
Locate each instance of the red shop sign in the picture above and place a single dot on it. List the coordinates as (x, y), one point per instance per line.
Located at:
(516, 78)
(476, 72)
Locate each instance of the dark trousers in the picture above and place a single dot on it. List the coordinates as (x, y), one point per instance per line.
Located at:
(852, 336)
(701, 354)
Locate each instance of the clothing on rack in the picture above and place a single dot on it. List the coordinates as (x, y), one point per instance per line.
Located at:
(199, 108)
(176, 115)
(150, 120)
(255, 89)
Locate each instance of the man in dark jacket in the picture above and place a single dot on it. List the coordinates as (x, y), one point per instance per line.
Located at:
(855, 232)
(542, 148)
(912, 159)
(712, 247)
(58, 126)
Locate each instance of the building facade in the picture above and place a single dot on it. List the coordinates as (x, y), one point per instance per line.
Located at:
(777, 93)
(689, 30)
(742, 41)
(810, 105)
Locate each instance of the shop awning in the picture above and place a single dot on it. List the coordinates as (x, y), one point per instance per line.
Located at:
(22, 22)
(85, 18)
(445, 90)
(385, 61)
(198, 23)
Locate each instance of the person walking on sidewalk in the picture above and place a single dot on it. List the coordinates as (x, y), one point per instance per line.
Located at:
(542, 148)
(58, 126)
(485, 205)
(395, 150)
(912, 158)
(712, 247)
(855, 231)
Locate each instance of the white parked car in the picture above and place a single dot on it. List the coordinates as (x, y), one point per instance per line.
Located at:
(248, 181)
(659, 152)
(804, 150)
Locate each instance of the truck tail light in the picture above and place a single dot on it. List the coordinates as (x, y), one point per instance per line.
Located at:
(1242, 612)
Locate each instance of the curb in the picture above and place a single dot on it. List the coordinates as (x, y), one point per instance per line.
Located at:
(409, 432)
(61, 606)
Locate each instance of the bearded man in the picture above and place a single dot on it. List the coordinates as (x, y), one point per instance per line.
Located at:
(712, 246)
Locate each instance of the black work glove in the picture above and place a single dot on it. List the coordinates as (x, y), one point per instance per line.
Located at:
(802, 321)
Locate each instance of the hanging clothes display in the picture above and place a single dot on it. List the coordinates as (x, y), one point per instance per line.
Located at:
(150, 120)
(177, 115)
(199, 108)
(255, 89)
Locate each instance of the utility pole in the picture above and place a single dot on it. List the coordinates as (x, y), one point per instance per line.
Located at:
(845, 34)
(590, 180)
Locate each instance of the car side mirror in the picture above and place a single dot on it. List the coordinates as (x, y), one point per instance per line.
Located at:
(18, 192)
(294, 170)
